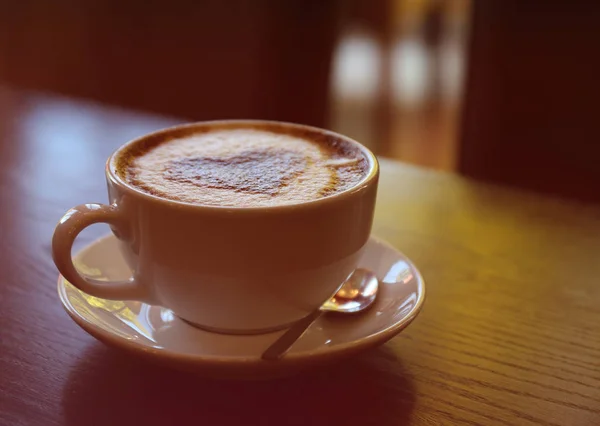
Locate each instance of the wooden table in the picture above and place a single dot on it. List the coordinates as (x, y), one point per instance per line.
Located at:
(509, 334)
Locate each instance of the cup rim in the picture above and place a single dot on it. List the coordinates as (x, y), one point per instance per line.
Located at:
(362, 185)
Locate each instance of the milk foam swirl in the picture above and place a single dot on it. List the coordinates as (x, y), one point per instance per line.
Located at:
(245, 168)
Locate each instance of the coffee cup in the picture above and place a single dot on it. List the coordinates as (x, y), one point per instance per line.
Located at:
(226, 268)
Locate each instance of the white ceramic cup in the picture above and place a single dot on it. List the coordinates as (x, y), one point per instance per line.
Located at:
(226, 269)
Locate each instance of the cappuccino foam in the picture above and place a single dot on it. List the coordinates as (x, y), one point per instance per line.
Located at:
(245, 167)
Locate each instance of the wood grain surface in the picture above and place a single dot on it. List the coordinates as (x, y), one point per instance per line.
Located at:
(509, 334)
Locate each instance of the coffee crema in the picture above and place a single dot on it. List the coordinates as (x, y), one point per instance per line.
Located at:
(245, 167)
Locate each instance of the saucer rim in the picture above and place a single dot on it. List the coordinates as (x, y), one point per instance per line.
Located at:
(321, 352)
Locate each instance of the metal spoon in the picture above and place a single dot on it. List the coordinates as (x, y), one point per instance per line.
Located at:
(356, 294)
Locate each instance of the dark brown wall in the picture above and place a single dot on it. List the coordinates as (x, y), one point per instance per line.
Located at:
(197, 59)
(532, 115)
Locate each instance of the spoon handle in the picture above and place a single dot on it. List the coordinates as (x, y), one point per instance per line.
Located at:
(287, 339)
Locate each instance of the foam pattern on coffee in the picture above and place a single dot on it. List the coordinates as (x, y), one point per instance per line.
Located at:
(245, 168)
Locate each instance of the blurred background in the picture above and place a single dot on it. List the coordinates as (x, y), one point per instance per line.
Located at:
(499, 90)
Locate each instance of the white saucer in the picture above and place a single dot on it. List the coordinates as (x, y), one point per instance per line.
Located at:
(154, 332)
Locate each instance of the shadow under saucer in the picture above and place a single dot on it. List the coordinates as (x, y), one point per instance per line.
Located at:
(107, 387)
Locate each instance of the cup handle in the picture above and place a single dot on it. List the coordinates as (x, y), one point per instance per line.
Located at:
(71, 224)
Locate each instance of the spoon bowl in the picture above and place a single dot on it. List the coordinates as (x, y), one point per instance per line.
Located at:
(356, 294)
